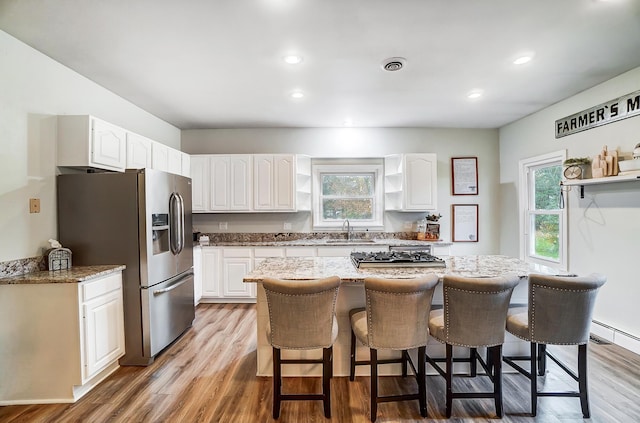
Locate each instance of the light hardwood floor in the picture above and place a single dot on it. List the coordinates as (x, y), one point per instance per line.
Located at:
(208, 375)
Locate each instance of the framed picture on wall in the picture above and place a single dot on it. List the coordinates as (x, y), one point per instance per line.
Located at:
(464, 219)
(464, 176)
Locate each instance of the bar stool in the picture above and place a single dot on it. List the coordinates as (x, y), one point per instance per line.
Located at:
(395, 318)
(473, 316)
(559, 313)
(302, 317)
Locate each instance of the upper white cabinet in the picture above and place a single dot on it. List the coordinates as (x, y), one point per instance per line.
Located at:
(274, 182)
(230, 179)
(138, 151)
(160, 157)
(200, 183)
(411, 182)
(247, 183)
(87, 142)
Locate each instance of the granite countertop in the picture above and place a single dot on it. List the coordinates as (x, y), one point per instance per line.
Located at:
(325, 242)
(74, 275)
(302, 268)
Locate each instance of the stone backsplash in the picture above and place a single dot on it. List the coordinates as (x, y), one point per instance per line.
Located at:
(22, 266)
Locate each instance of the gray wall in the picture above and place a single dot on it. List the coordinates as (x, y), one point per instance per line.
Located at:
(33, 90)
(361, 142)
(604, 227)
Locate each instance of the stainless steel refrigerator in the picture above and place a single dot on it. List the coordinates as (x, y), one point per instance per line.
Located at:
(141, 219)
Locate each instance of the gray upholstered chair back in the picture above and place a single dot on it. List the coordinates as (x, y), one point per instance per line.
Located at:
(398, 311)
(302, 313)
(560, 308)
(475, 309)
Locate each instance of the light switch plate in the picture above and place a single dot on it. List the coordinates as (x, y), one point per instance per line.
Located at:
(408, 225)
(287, 226)
(223, 226)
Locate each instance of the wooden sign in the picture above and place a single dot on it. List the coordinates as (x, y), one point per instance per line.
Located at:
(602, 114)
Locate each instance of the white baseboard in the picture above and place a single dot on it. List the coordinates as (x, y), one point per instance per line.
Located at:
(615, 336)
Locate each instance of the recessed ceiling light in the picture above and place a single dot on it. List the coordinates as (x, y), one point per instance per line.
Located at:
(475, 94)
(297, 94)
(525, 58)
(292, 59)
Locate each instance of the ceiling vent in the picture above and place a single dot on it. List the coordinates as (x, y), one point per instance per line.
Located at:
(393, 64)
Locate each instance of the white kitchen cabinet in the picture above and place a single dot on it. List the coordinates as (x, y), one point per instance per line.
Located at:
(197, 274)
(411, 182)
(174, 161)
(138, 151)
(211, 273)
(231, 182)
(160, 156)
(103, 324)
(274, 182)
(236, 263)
(65, 338)
(200, 183)
(186, 165)
(88, 142)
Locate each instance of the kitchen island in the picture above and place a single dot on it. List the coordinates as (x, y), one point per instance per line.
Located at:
(351, 295)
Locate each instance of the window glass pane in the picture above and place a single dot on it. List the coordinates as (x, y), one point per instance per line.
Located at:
(547, 187)
(547, 236)
(340, 209)
(347, 185)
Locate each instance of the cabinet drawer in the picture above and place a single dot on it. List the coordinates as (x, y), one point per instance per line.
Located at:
(102, 286)
(301, 252)
(268, 252)
(236, 252)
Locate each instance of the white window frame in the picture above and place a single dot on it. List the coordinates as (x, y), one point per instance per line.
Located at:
(526, 166)
(376, 223)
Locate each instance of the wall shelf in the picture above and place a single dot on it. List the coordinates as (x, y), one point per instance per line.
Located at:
(598, 181)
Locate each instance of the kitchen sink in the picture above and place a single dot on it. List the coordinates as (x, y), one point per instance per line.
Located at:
(351, 241)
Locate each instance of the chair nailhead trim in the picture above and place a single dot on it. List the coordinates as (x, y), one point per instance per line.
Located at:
(531, 324)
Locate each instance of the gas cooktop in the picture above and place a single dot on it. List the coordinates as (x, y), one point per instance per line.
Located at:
(396, 259)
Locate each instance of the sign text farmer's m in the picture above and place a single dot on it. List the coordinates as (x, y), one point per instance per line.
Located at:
(611, 111)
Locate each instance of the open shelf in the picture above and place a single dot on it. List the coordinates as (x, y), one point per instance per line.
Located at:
(597, 181)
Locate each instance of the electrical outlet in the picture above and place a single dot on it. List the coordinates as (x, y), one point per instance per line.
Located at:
(223, 226)
(34, 205)
(408, 225)
(287, 226)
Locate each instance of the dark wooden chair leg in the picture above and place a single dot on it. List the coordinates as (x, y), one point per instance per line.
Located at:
(422, 380)
(327, 364)
(542, 359)
(374, 384)
(582, 380)
(449, 376)
(277, 383)
(535, 348)
(405, 360)
(473, 364)
(496, 353)
(352, 367)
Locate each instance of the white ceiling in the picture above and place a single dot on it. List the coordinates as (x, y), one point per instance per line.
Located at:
(218, 63)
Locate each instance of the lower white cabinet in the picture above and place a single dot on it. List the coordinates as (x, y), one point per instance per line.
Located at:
(223, 270)
(59, 340)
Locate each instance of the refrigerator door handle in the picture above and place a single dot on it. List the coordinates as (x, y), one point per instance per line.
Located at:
(171, 288)
(176, 229)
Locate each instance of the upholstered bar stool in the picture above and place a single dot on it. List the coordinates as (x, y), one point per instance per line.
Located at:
(395, 318)
(473, 316)
(302, 317)
(559, 313)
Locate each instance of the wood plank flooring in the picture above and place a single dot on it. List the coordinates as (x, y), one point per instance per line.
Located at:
(208, 375)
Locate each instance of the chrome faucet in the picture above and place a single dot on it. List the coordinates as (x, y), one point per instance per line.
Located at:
(346, 222)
